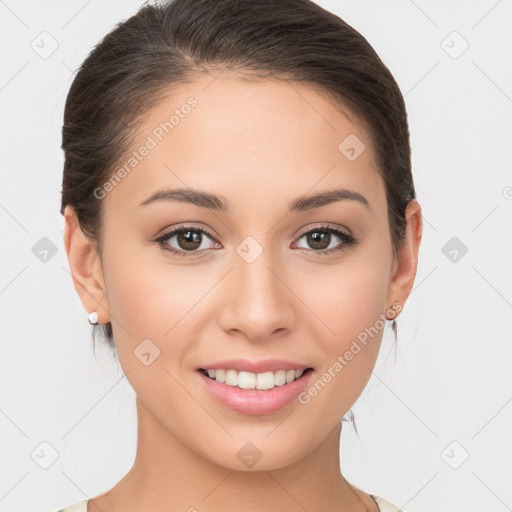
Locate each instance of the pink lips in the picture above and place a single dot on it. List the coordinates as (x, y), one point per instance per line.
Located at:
(256, 401)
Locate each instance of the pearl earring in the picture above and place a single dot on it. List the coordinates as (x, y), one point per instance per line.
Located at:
(93, 318)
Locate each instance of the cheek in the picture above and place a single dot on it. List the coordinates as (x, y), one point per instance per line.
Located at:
(347, 298)
(348, 302)
(347, 340)
(152, 299)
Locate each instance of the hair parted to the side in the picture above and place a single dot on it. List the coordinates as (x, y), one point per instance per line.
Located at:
(166, 45)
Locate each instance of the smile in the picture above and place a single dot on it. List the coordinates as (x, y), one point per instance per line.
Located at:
(249, 380)
(265, 393)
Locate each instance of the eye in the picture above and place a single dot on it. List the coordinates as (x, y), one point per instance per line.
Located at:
(186, 241)
(322, 239)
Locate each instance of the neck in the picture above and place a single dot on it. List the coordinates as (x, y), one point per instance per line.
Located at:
(167, 475)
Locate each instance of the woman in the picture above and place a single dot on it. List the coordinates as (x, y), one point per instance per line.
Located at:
(240, 214)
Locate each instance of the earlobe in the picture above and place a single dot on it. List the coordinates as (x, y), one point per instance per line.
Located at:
(85, 266)
(407, 262)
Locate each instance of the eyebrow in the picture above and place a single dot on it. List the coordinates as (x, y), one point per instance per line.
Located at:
(220, 203)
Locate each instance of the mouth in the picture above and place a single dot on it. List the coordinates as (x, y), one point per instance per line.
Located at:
(256, 393)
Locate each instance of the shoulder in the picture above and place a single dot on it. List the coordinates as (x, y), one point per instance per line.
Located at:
(385, 506)
(80, 506)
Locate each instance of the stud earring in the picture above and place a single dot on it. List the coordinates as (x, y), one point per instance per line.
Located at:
(349, 416)
(93, 318)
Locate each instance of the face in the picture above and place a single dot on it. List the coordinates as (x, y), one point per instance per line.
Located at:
(252, 274)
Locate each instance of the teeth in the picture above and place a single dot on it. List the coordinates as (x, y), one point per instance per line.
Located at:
(248, 380)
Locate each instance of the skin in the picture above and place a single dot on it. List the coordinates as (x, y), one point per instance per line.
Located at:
(260, 145)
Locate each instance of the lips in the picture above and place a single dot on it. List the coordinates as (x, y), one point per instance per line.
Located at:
(256, 401)
(254, 366)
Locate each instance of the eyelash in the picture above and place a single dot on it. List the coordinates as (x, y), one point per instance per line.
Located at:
(347, 240)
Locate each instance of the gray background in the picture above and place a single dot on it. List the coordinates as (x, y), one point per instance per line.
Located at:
(435, 424)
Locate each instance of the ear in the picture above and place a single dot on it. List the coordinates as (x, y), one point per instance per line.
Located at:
(405, 265)
(86, 268)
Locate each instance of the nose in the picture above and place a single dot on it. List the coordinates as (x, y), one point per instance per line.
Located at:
(256, 301)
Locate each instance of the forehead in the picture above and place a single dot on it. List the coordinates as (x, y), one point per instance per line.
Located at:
(239, 137)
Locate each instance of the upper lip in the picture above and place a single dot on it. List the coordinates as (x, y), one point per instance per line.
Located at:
(255, 366)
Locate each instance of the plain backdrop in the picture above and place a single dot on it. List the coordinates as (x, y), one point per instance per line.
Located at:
(435, 420)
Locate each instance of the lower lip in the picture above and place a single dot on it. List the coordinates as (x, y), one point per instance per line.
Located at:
(256, 401)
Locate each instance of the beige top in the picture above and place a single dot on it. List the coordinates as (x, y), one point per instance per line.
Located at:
(384, 506)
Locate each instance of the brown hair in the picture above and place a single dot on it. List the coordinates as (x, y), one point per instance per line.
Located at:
(166, 45)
